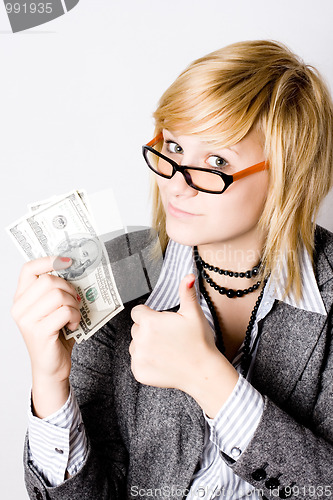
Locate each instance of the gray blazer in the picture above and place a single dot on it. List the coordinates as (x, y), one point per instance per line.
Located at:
(146, 442)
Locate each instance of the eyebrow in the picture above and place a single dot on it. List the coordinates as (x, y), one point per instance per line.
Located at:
(168, 132)
(175, 139)
(233, 150)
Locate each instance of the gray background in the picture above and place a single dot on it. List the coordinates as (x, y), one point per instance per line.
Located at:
(76, 98)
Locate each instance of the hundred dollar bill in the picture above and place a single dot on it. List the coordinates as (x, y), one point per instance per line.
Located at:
(63, 227)
(37, 205)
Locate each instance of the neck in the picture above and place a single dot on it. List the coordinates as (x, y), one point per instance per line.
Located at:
(237, 254)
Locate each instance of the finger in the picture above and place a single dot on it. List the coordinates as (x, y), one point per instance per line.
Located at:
(64, 316)
(131, 349)
(33, 323)
(134, 330)
(33, 269)
(140, 312)
(50, 302)
(187, 294)
(37, 290)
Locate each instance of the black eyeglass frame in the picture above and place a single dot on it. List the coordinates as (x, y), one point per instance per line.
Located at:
(227, 178)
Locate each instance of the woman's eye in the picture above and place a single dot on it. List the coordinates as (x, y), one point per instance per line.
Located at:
(173, 147)
(216, 162)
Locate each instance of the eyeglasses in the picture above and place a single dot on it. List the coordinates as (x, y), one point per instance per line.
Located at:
(202, 179)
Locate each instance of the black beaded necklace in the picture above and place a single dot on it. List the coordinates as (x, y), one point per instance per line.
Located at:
(229, 292)
(245, 274)
(246, 357)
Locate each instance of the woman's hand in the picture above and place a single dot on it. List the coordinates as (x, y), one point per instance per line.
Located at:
(43, 304)
(177, 350)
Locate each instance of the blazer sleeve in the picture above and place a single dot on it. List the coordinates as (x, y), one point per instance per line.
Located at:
(103, 474)
(290, 455)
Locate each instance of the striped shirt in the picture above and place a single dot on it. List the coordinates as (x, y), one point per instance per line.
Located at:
(58, 442)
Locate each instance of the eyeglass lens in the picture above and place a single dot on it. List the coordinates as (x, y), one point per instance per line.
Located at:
(209, 181)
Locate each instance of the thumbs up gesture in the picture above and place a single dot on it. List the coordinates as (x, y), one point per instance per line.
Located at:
(177, 350)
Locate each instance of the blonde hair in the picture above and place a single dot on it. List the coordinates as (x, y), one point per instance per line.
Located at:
(262, 84)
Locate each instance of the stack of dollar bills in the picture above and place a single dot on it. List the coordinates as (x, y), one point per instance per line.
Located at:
(63, 226)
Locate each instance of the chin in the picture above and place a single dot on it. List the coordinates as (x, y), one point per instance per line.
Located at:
(183, 234)
(195, 235)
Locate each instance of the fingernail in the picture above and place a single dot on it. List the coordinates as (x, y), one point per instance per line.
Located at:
(191, 283)
(61, 263)
(78, 298)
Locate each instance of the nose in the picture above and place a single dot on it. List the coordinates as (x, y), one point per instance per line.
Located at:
(179, 186)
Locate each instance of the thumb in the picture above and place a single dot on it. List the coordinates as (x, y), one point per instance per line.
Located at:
(187, 294)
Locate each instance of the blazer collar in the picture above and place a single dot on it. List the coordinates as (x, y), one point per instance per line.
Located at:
(323, 268)
(310, 299)
(179, 262)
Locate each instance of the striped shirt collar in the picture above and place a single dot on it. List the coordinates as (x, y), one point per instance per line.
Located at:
(179, 262)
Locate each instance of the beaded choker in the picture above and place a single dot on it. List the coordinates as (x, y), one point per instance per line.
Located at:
(244, 274)
(229, 292)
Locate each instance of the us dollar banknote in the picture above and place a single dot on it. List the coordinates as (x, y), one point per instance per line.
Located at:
(37, 205)
(63, 227)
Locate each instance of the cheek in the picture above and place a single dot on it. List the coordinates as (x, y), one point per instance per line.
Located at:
(252, 194)
(258, 192)
(225, 216)
(241, 205)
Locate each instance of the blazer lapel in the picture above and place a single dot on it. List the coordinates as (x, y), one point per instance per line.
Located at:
(288, 338)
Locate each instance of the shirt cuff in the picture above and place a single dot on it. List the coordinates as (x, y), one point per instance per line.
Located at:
(234, 426)
(58, 442)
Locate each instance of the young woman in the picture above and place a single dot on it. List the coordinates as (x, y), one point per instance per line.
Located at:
(219, 384)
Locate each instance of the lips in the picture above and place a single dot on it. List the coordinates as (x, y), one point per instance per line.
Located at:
(177, 212)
